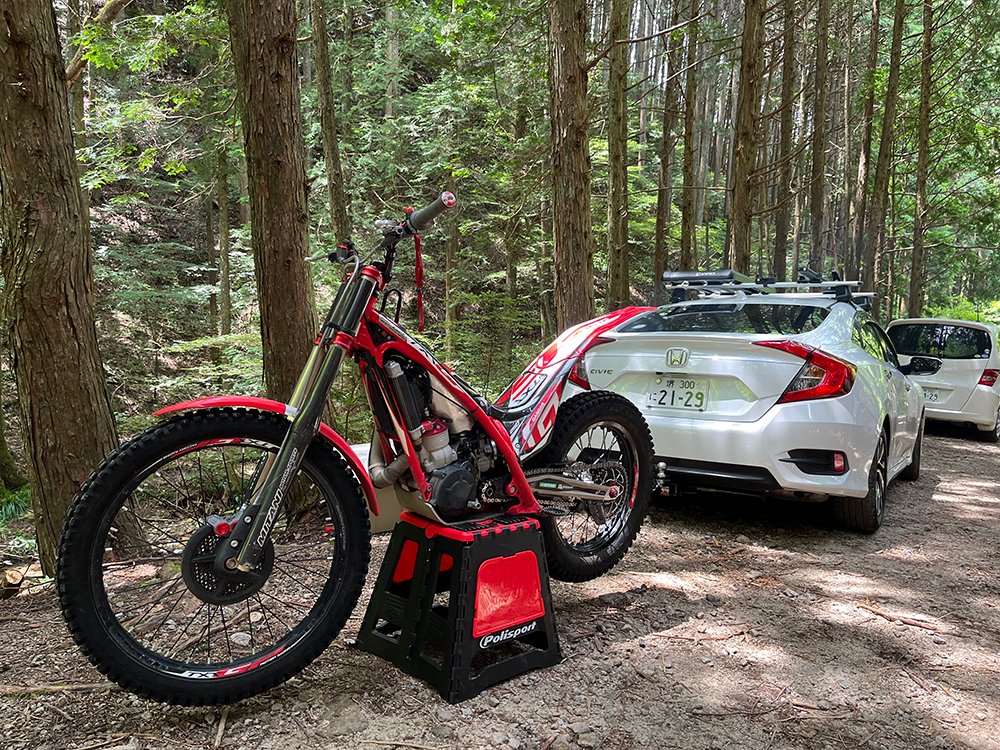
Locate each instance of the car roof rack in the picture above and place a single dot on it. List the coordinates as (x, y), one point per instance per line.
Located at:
(727, 281)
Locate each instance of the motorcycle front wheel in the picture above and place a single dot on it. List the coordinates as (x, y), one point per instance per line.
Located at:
(599, 437)
(136, 576)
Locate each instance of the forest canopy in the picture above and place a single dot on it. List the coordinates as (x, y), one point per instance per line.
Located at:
(856, 137)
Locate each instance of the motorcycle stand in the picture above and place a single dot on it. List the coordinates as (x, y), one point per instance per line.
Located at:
(463, 607)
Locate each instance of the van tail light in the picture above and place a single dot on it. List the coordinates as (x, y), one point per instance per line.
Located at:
(989, 377)
(822, 376)
(578, 375)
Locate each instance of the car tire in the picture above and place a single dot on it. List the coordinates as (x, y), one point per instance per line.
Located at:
(992, 436)
(865, 513)
(912, 472)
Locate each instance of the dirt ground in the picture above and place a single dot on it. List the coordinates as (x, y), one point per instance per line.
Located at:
(731, 624)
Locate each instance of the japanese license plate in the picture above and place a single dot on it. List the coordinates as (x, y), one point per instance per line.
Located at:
(931, 396)
(678, 393)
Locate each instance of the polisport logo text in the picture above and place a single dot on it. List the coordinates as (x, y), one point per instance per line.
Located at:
(505, 635)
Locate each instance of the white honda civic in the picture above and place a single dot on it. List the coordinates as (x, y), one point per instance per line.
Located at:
(796, 395)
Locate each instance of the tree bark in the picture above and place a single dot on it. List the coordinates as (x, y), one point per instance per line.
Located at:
(267, 80)
(781, 216)
(574, 241)
(688, 207)
(880, 191)
(335, 192)
(916, 301)
(818, 184)
(745, 143)
(618, 261)
(45, 258)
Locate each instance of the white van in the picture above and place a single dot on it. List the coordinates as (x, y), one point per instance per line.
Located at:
(965, 389)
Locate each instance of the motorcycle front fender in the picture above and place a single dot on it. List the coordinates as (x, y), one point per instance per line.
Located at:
(277, 407)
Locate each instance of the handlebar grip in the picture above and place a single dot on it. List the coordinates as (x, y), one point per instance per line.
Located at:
(417, 221)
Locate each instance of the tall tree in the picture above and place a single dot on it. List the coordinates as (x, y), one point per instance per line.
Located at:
(574, 241)
(916, 301)
(45, 258)
(745, 142)
(263, 39)
(225, 296)
(818, 183)
(781, 219)
(859, 209)
(688, 207)
(336, 195)
(875, 221)
(618, 261)
(664, 192)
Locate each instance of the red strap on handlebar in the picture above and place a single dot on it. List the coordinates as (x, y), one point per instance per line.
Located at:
(420, 282)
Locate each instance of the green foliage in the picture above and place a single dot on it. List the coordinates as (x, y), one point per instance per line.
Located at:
(13, 504)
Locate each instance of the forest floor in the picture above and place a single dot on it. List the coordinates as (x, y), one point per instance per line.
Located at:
(731, 624)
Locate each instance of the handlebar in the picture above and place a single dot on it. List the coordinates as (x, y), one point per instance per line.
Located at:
(417, 221)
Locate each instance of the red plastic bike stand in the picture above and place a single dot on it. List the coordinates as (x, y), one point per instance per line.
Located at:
(463, 607)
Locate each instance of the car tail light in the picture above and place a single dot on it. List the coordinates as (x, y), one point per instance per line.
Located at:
(578, 375)
(989, 377)
(822, 376)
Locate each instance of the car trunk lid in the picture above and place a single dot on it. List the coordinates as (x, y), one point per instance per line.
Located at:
(711, 376)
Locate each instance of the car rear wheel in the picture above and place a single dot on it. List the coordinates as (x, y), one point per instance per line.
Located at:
(865, 513)
(912, 472)
(992, 436)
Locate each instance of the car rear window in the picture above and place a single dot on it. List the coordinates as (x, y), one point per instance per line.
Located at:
(945, 340)
(730, 317)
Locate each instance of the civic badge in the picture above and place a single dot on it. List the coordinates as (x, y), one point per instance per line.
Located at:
(677, 357)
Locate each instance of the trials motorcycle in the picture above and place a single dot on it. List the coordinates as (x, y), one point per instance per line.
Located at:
(218, 553)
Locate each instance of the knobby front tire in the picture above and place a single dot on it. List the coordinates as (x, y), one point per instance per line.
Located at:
(135, 572)
(598, 428)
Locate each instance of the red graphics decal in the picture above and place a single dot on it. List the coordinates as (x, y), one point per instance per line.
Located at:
(542, 418)
(247, 667)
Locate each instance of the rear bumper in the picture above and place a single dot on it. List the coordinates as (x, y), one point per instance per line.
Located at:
(753, 456)
(980, 409)
(727, 476)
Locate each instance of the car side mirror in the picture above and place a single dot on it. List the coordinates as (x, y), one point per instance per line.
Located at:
(921, 366)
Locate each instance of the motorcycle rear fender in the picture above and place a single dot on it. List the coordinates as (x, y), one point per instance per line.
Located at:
(266, 404)
(534, 397)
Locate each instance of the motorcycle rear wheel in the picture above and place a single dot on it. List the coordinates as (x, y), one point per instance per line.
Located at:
(604, 434)
(136, 579)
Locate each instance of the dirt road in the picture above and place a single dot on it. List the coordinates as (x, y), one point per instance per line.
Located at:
(731, 624)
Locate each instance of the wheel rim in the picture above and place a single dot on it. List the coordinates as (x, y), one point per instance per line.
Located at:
(609, 454)
(142, 562)
(880, 477)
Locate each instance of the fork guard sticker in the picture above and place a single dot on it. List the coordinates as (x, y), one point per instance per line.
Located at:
(508, 634)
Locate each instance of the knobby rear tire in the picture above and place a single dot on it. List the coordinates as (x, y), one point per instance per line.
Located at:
(135, 578)
(600, 426)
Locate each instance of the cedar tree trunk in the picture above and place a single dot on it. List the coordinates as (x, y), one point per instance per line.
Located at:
(45, 257)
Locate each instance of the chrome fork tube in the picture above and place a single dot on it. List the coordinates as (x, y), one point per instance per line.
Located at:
(246, 543)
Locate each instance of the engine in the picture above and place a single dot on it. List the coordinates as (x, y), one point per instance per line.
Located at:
(455, 453)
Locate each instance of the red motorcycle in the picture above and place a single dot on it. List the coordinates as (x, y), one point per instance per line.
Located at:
(215, 555)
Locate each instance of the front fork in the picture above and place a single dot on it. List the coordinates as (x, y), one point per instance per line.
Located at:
(246, 542)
